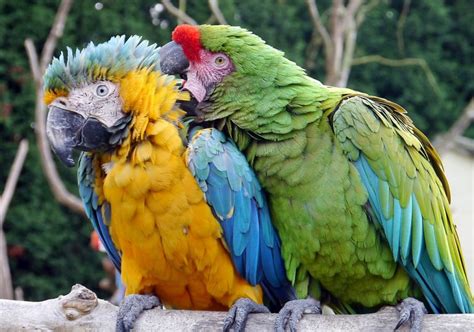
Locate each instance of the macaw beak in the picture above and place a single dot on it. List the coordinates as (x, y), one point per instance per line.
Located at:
(62, 124)
(68, 129)
(173, 61)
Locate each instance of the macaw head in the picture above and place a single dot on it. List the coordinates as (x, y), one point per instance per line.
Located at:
(229, 70)
(104, 94)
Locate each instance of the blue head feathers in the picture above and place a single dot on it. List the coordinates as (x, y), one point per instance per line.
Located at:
(106, 61)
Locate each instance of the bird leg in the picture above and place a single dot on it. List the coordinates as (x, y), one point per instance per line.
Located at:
(131, 307)
(413, 310)
(238, 314)
(293, 311)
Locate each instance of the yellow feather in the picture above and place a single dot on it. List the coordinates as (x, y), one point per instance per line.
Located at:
(168, 237)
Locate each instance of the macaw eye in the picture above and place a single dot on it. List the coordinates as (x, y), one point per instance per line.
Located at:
(220, 61)
(102, 90)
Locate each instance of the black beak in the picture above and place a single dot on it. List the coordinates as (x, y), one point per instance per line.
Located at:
(61, 128)
(172, 59)
(68, 130)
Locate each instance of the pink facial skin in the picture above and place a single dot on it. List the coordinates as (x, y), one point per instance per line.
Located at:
(205, 73)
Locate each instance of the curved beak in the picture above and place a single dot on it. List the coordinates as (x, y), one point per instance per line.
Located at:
(62, 126)
(173, 61)
(69, 129)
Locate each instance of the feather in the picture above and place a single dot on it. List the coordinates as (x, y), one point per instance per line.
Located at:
(233, 192)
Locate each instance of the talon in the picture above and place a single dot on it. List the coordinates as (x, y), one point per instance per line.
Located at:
(293, 311)
(239, 312)
(131, 307)
(411, 310)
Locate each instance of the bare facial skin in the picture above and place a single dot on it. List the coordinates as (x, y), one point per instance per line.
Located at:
(205, 74)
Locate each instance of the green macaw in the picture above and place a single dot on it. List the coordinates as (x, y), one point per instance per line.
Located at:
(356, 191)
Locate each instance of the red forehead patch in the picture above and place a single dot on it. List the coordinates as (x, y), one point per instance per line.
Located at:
(188, 36)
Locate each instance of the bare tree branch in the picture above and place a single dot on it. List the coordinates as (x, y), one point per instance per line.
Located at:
(55, 33)
(6, 288)
(318, 25)
(214, 6)
(400, 63)
(351, 9)
(340, 42)
(348, 52)
(81, 310)
(33, 60)
(337, 27)
(211, 20)
(182, 7)
(446, 141)
(180, 15)
(364, 9)
(401, 26)
(312, 50)
(12, 179)
(347, 48)
(60, 192)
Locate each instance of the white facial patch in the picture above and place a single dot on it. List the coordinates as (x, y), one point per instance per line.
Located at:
(100, 100)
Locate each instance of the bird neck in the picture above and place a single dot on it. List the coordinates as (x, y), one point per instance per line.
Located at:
(149, 96)
(281, 117)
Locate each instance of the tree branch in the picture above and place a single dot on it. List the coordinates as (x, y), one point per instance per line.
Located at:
(12, 179)
(214, 6)
(6, 288)
(401, 26)
(318, 25)
(350, 39)
(33, 61)
(446, 141)
(81, 310)
(60, 192)
(352, 8)
(400, 63)
(55, 33)
(180, 15)
(364, 9)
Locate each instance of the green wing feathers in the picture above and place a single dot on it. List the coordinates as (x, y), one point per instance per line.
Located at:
(408, 195)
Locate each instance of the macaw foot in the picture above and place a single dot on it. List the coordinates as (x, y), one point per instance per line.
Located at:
(131, 307)
(293, 311)
(413, 310)
(239, 312)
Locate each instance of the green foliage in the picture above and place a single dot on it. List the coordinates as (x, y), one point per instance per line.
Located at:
(56, 252)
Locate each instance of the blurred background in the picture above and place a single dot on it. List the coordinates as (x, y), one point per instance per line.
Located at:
(416, 53)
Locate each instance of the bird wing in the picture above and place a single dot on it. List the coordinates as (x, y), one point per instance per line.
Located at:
(98, 214)
(408, 196)
(238, 202)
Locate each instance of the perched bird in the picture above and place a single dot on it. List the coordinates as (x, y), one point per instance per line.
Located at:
(187, 228)
(356, 191)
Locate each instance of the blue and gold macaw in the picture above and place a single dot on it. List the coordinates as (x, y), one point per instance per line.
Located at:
(187, 225)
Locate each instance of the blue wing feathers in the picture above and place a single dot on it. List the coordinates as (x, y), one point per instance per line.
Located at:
(417, 232)
(406, 226)
(396, 224)
(440, 287)
(94, 210)
(236, 198)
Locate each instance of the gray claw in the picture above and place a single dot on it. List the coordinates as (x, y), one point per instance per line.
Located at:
(239, 312)
(413, 310)
(131, 307)
(293, 311)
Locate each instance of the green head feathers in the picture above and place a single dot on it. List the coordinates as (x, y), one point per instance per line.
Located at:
(106, 61)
